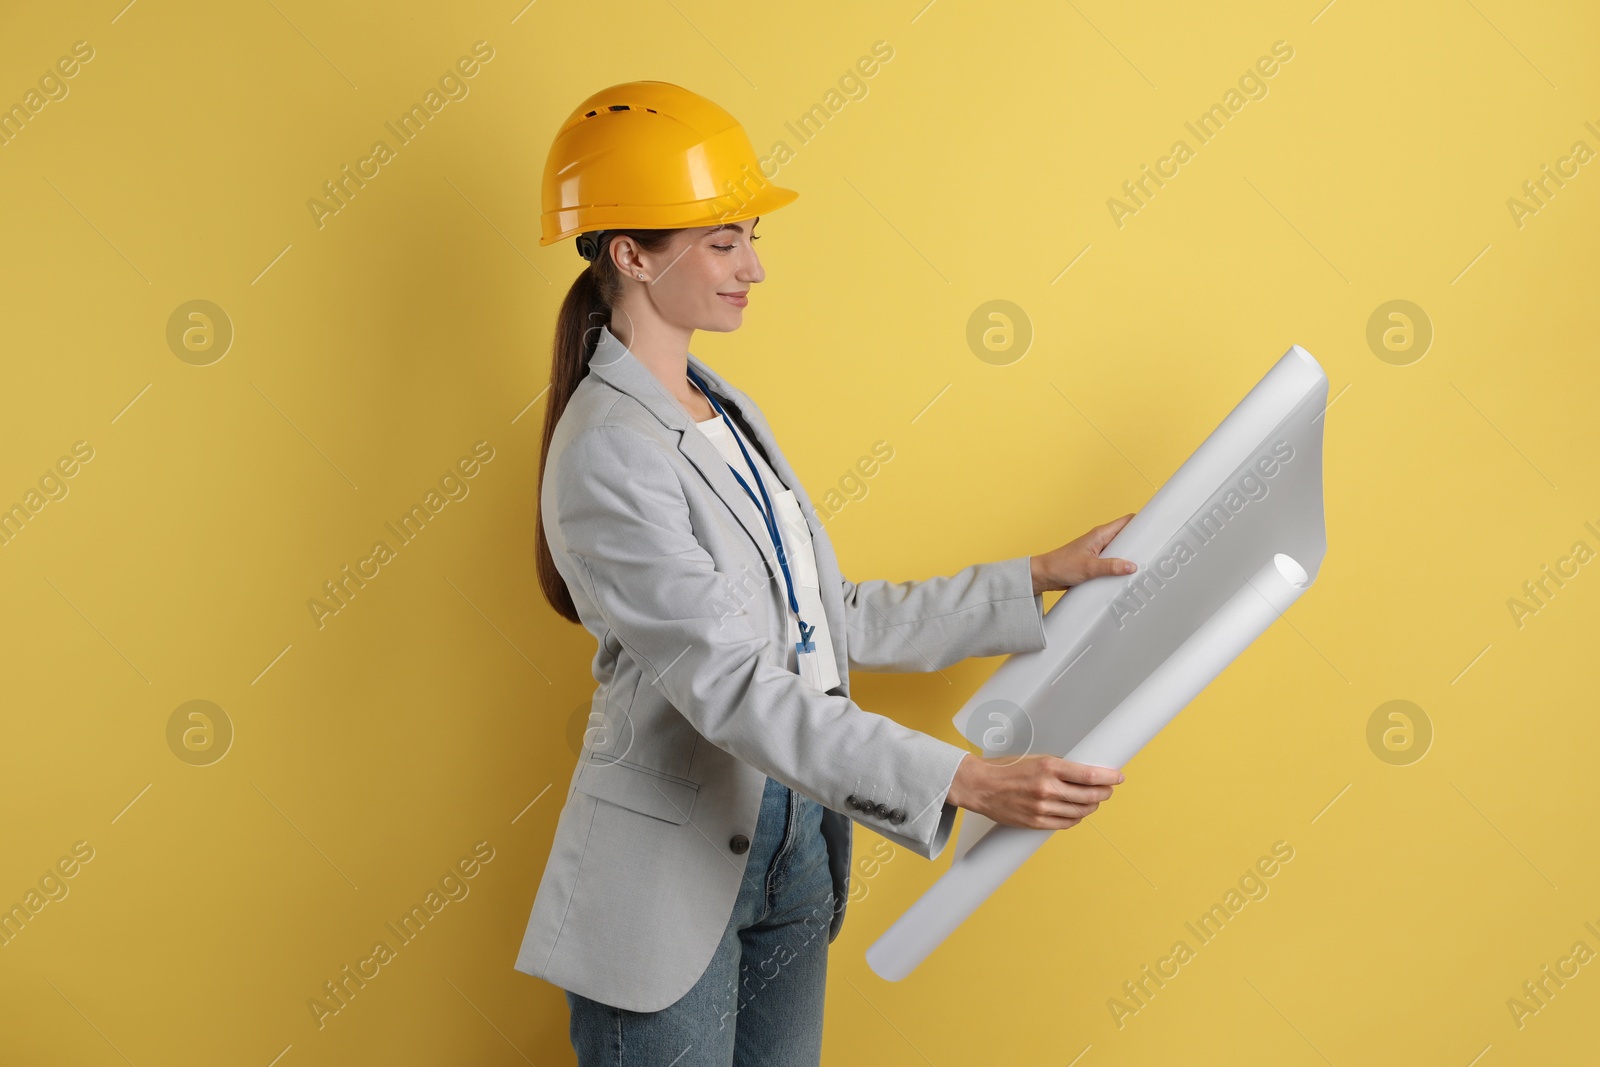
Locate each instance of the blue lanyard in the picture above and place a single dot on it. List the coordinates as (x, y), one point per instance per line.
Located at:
(805, 643)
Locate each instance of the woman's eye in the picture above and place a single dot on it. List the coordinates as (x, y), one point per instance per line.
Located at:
(722, 248)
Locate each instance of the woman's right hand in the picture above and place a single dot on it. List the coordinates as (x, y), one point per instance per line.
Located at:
(1037, 792)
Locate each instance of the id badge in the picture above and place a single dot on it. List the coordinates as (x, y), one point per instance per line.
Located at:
(811, 672)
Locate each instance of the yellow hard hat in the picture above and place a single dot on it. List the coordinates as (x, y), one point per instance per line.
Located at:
(651, 155)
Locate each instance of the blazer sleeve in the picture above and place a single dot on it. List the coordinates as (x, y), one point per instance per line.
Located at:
(626, 526)
(988, 609)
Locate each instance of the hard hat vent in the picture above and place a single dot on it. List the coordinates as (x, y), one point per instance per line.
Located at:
(621, 107)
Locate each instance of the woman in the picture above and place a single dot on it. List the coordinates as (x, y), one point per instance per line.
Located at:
(701, 862)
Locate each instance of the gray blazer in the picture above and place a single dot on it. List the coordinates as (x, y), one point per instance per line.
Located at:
(695, 706)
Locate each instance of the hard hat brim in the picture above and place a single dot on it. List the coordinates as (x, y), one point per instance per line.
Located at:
(570, 222)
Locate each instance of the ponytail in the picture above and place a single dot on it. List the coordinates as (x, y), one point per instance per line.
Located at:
(586, 308)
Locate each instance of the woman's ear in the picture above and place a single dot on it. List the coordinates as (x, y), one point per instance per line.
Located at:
(626, 258)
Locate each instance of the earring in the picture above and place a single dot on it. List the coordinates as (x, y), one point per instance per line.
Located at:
(638, 274)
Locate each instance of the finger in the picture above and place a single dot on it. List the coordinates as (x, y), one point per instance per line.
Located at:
(1057, 809)
(1106, 531)
(1111, 565)
(1060, 815)
(1085, 794)
(1085, 773)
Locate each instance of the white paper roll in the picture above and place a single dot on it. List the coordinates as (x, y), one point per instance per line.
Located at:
(1236, 530)
(1156, 701)
(1253, 487)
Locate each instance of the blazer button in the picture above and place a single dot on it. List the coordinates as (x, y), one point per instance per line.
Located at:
(739, 843)
(881, 810)
(853, 802)
(897, 816)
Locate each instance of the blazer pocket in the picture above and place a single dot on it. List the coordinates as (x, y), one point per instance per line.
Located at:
(638, 788)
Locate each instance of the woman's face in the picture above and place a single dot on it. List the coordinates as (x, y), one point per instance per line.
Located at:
(702, 279)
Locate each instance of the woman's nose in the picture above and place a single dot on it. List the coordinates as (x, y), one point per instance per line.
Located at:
(752, 271)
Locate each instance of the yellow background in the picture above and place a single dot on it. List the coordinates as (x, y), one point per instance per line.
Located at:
(435, 710)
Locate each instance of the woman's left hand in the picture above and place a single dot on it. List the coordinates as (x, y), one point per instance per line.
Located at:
(1077, 561)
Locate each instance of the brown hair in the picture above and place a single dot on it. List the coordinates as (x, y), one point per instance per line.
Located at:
(586, 308)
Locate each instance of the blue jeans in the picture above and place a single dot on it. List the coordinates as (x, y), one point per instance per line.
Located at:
(760, 999)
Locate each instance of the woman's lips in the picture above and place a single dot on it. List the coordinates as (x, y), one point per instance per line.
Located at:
(736, 299)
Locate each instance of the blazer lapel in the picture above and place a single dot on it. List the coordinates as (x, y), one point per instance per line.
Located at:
(831, 589)
(621, 368)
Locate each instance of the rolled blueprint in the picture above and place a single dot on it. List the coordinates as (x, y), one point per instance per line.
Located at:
(995, 856)
(1125, 653)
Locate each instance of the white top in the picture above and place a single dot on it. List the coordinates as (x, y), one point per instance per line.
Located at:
(802, 558)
